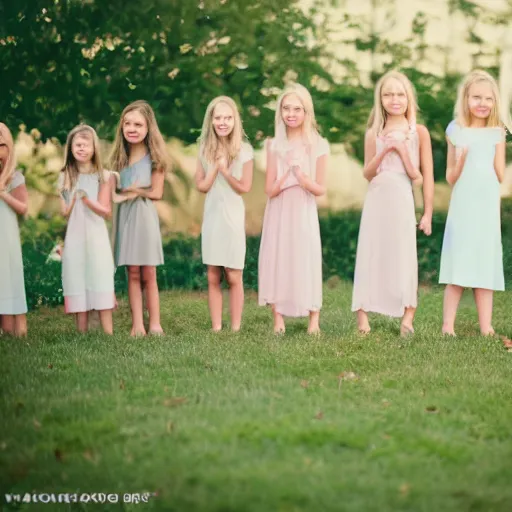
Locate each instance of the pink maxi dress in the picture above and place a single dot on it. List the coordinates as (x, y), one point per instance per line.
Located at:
(290, 258)
(386, 272)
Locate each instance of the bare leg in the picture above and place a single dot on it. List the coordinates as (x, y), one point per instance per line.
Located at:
(236, 297)
(215, 296)
(362, 322)
(406, 327)
(314, 322)
(82, 321)
(150, 287)
(8, 324)
(483, 300)
(106, 321)
(279, 326)
(452, 295)
(135, 297)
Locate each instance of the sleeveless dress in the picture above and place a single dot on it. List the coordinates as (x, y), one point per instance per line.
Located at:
(137, 232)
(223, 229)
(386, 270)
(290, 257)
(472, 254)
(12, 283)
(87, 262)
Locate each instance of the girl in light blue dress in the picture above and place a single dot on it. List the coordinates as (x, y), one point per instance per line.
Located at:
(140, 157)
(87, 262)
(13, 202)
(472, 249)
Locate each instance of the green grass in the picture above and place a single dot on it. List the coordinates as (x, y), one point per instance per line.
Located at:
(254, 422)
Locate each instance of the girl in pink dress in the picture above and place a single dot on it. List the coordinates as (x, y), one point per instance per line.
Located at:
(290, 259)
(386, 272)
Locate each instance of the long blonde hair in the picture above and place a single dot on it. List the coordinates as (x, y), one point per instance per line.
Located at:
(309, 126)
(378, 115)
(209, 142)
(7, 170)
(462, 115)
(70, 167)
(154, 140)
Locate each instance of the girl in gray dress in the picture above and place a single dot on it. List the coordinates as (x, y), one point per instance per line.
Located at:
(140, 157)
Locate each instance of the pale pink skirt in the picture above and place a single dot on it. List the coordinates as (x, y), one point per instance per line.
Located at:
(290, 259)
(386, 272)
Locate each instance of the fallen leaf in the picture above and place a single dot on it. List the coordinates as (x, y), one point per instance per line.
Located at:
(404, 489)
(431, 409)
(348, 376)
(319, 415)
(208, 366)
(386, 403)
(304, 383)
(37, 424)
(173, 402)
(121, 384)
(88, 455)
(170, 426)
(3, 446)
(58, 455)
(50, 365)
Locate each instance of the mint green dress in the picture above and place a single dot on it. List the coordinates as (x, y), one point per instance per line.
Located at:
(472, 254)
(12, 283)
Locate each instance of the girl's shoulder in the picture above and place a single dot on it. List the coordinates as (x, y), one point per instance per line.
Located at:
(17, 179)
(246, 152)
(321, 146)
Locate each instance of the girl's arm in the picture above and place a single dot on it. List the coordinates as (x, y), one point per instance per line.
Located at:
(499, 161)
(372, 161)
(103, 206)
(317, 187)
(454, 166)
(203, 180)
(17, 199)
(272, 184)
(240, 186)
(401, 148)
(156, 192)
(427, 171)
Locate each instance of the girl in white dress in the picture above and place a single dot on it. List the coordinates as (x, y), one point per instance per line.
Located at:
(224, 173)
(13, 202)
(87, 261)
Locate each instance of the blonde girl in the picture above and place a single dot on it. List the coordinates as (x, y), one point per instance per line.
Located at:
(13, 202)
(472, 255)
(224, 174)
(290, 258)
(87, 263)
(141, 158)
(398, 154)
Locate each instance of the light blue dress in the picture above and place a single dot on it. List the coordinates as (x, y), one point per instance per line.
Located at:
(223, 228)
(87, 261)
(137, 232)
(472, 254)
(12, 282)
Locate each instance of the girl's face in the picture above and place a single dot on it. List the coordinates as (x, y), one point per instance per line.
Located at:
(223, 120)
(394, 97)
(135, 127)
(292, 111)
(82, 148)
(480, 99)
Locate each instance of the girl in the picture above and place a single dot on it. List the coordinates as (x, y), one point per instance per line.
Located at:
(141, 158)
(13, 202)
(87, 263)
(224, 173)
(290, 259)
(398, 153)
(472, 252)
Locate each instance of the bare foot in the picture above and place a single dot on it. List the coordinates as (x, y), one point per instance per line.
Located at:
(135, 333)
(406, 330)
(449, 332)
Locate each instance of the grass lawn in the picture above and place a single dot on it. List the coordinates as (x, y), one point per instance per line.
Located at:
(254, 422)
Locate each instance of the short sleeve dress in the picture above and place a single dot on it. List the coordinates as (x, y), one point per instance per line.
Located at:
(12, 283)
(472, 254)
(223, 228)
